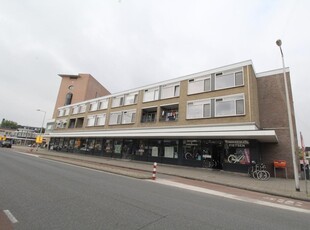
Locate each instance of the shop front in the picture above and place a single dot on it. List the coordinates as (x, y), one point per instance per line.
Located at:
(230, 155)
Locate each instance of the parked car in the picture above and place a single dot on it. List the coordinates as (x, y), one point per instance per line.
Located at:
(6, 144)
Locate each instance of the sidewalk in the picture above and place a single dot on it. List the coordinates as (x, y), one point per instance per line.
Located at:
(143, 170)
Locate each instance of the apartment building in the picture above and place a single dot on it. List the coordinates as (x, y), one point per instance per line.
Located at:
(223, 118)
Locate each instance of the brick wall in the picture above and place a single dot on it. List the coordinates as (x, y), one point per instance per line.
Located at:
(273, 115)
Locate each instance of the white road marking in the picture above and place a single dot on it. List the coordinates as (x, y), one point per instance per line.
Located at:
(229, 196)
(10, 216)
(28, 154)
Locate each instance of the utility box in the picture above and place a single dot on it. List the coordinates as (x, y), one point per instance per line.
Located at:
(279, 164)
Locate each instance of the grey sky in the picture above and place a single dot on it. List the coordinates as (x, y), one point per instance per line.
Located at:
(125, 44)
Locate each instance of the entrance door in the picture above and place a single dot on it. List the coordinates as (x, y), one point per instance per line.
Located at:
(217, 156)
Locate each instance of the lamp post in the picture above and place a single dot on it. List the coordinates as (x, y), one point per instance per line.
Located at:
(290, 121)
(40, 110)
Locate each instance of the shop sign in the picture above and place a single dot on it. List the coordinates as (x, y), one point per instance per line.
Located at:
(237, 143)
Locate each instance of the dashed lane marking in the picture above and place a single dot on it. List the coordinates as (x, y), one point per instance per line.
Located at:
(10, 216)
(231, 196)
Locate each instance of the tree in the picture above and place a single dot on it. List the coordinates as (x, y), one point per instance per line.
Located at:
(9, 124)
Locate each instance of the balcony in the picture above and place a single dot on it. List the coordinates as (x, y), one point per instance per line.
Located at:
(149, 115)
(169, 113)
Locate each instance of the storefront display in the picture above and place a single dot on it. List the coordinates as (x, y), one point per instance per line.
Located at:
(232, 155)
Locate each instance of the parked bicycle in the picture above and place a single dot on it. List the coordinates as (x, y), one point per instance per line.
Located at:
(209, 163)
(258, 171)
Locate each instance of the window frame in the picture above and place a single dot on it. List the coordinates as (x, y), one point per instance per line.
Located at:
(132, 114)
(233, 74)
(91, 118)
(75, 109)
(135, 98)
(104, 116)
(82, 108)
(231, 98)
(117, 101)
(155, 94)
(173, 87)
(199, 103)
(103, 104)
(199, 81)
(93, 106)
(118, 119)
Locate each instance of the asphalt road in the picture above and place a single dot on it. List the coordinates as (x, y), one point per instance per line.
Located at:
(43, 194)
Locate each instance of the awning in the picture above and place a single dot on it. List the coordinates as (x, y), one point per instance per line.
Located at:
(239, 132)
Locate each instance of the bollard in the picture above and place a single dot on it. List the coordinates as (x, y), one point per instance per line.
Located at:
(154, 171)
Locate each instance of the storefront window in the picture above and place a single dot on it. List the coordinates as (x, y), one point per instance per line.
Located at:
(140, 148)
(56, 145)
(71, 144)
(171, 148)
(154, 148)
(127, 148)
(206, 148)
(237, 152)
(192, 150)
(52, 141)
(91, 144)
(108, 146)
(77, 144)
(117, 147)
(61, 143)
(84, 146)
(65, 144)
(98, 145)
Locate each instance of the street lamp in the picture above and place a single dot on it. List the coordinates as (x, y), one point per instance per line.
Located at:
(40, 110)
(290, 121)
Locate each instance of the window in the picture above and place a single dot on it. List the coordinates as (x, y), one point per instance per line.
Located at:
(151, 94)
(68, 98)
(239, 78)
(93, 106)
(72, 123)
(170, 148)
(82, 108)
(115, 118)
(131, 99)
(67, 110)
(199, 85)
(229, 106)
(228, 80)
(240, 106)
(61, 112)
(75, 110)
(103, 104)
(199, 109)
(177, 90)
(128, 117)
(91, 120)
(117, 101)
(172, 90)
(80, 122)
(101, 119)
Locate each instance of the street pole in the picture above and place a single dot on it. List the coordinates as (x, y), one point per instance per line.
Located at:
(41, 131)
(290, 121)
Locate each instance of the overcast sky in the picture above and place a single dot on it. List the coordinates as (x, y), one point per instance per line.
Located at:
(126, 44)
